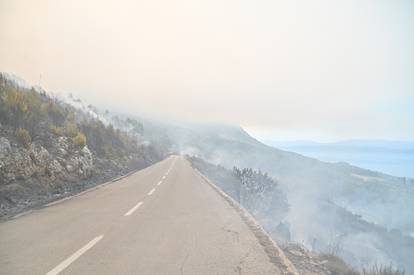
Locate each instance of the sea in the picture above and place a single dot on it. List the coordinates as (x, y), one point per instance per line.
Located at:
(391, 158)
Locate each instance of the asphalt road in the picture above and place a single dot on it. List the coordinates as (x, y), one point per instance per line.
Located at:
(164, 219)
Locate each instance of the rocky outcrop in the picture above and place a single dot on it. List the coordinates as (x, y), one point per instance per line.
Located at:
(35, 175)
(18, 163)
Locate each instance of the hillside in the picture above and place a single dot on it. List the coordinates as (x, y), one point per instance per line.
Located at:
(50, 149)
(363, 216)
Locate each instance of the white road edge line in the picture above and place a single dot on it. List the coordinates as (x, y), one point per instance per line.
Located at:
(59, 268)
(133, 209)
(159, 183)
(163, 177)
(150, 192)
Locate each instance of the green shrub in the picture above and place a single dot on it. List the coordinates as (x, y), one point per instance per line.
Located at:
(71, 130)
(24, 137)
(57, 131)
(14, 106)
(56, 112)
(80, 140)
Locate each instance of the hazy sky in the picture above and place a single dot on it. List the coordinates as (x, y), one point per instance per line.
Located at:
(306, 69)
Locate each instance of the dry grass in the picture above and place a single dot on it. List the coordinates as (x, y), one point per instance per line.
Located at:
(24, 137)
(382, 270)
(337, 266)
(80, 140)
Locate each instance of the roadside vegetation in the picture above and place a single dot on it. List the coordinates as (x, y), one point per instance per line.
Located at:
(338, 266)
(382, 270)
(51, 149)
(33, 114)
(261, 195)
(254, 190)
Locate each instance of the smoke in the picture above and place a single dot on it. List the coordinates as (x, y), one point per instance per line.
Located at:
(330, 209)
(281, 65)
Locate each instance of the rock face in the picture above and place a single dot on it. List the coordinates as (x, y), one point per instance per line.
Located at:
(35, 175)
(19, 163)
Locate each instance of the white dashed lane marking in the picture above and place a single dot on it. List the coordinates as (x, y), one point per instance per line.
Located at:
(133, 209)
(150, 192)
(74, 256)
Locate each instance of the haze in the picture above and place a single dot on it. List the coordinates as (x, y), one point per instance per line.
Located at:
(304, 69)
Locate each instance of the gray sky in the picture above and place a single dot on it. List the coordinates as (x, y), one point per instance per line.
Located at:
(321, 70)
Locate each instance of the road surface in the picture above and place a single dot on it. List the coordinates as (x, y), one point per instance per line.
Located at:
(164, 219)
